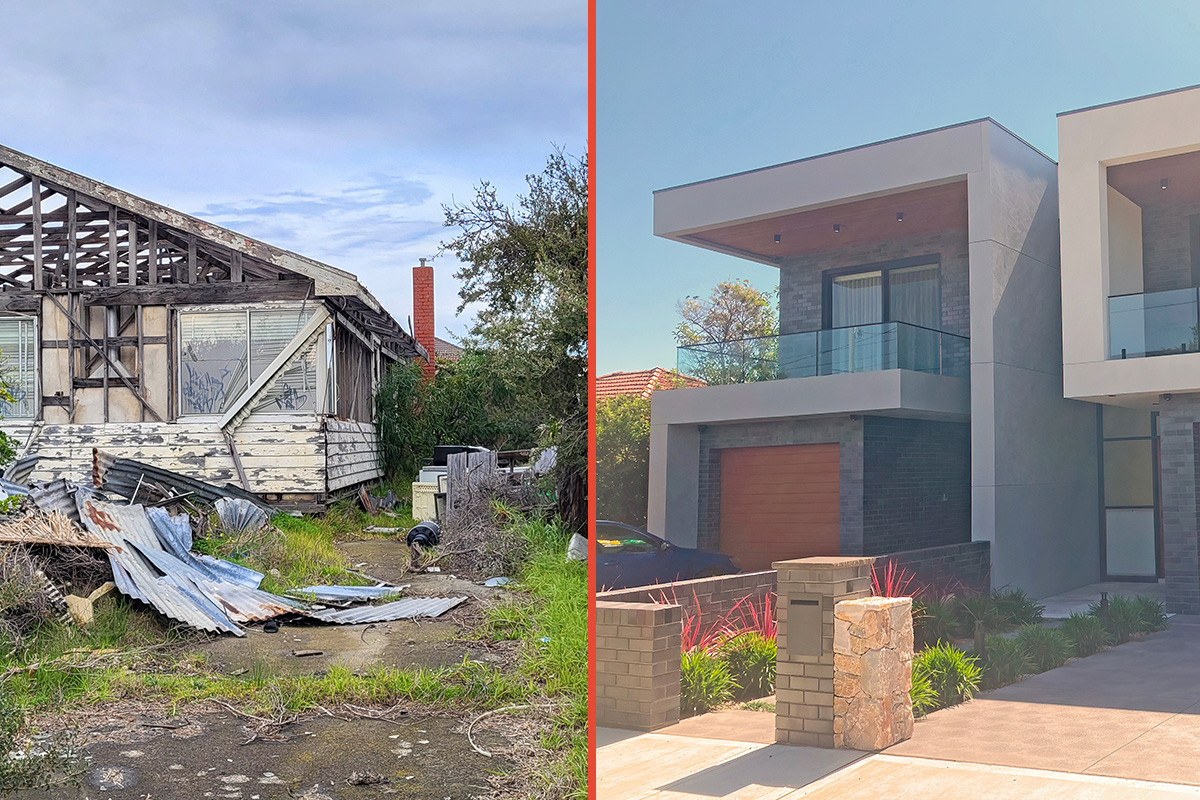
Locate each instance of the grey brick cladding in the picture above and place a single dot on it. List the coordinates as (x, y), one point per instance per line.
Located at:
(1166, 249)
(1179, 466)
(916, 484)
(800, 278)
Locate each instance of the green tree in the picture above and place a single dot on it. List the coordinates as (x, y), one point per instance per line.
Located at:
(729, 336)
(526, 265)
(622, 458)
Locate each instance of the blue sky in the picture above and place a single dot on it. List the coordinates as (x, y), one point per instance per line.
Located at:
(335, 129)
(694, 90)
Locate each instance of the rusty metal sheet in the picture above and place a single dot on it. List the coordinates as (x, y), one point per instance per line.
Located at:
(401, 609)
(58, 496)
(138, 481)
(136, 574)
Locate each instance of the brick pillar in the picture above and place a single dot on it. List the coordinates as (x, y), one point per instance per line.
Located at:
(423, 327)
(1179, 452)
(872, 672)
(808, 589)
(637, 665)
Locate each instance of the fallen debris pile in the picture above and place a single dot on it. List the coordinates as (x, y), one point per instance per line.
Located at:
(149, 551)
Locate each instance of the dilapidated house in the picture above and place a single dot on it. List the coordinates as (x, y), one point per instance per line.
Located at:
(149, 334)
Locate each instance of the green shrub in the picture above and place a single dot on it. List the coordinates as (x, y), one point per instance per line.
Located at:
(924, 698)
(1123, 620)
(1151, 614)
(934, 620)
(31, 762)
(1046, 648)
(1087, 634)
(1004, 661)
(953, 675)
(750, 657)
(1017, 607)
(704, 682)
(981, 608)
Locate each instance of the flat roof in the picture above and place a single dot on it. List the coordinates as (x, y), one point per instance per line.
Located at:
(1129, 100)
(860, 147)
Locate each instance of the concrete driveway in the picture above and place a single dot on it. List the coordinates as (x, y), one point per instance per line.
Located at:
(1120, 725)
(1131, 712)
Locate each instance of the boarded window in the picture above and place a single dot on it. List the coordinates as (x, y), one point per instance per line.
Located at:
(18, 367)
(223, 352)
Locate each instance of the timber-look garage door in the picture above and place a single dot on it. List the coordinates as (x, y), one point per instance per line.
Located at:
(779, 502)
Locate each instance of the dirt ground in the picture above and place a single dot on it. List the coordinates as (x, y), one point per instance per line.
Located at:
(427, 757)
(142, 752)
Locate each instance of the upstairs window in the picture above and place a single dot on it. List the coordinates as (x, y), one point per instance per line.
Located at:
(18, 367)
(221, 353)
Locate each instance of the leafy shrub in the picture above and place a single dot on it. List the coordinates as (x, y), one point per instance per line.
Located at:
(1087, 634)
(934, 620)
(953, 675)
(1004, 661)
(35, 763)
(1123, 619)
(922, 694)
(750, 657)
(1151, 614)
(704, 682)
(1017, 607)
(1047, 648)
(981, 608)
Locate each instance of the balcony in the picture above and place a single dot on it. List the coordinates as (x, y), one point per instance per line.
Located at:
(1153, 324)
(837, 351)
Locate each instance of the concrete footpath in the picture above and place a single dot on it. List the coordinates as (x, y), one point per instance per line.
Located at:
(1121, 724)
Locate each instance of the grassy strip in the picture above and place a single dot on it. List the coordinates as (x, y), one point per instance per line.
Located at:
(549, 614)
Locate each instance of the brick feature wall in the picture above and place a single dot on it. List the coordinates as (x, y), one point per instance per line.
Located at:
(809, 589)
(711, 597)
(800, 279)
(1166, 246)
(637, 665)
(916, 485)
(1179, 466)
(843, 430)
(872, 672)
(969, 562)
(423, 327)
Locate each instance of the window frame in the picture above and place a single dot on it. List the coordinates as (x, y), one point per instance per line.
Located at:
(35, 346)
(321, 390)
(885, 268)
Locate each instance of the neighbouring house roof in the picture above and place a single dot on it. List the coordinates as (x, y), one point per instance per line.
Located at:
(446, 351)
(643, 383)
(347, 294)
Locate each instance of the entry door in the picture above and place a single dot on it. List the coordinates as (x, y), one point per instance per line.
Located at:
(780, 502)
(1132, 547)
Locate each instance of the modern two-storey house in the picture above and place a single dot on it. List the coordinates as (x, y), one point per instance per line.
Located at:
(1129, 176)
(914, 397)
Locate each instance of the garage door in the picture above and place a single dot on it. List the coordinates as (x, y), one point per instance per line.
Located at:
(779, 502)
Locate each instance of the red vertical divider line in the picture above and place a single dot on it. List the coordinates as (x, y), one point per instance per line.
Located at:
(591, 147)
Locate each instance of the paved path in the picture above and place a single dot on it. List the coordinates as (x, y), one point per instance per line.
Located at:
(1120, 725)
(1130, 712)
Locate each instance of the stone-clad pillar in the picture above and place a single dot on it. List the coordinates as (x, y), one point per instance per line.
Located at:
(872, 672)
(808, 589)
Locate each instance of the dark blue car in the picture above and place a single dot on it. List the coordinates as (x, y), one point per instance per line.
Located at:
(629, 556)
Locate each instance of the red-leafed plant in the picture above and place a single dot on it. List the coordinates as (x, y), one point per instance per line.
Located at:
(753, 614)
(894, 581)
(750, 613)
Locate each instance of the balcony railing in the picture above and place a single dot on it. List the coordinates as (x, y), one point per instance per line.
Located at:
(1153, 324)
(862, 348)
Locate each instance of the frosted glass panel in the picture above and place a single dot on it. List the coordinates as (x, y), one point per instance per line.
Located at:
(1129, 536)
(1128, 473)
(1120, 422)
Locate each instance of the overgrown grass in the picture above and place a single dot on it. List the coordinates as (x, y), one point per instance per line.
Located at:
(548, 612)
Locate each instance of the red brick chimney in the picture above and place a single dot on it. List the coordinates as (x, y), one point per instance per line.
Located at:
(423, 313)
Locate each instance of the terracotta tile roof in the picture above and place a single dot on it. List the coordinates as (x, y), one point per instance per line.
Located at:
(447, 351)
(643, 382)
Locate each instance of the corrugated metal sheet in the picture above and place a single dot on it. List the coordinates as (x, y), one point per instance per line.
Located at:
(401, 609)
(59, 495)
(127, 477)
(136, 573)
(22, 468)
(11, 488)
(238, 515)
(346, 594)
(175, 534)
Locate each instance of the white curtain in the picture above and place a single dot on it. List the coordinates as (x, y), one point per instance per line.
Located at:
(857, 299)
(914, 296)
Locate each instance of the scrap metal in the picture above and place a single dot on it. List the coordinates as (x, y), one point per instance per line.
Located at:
(345, 594)
(401, 609)
(135, 480)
